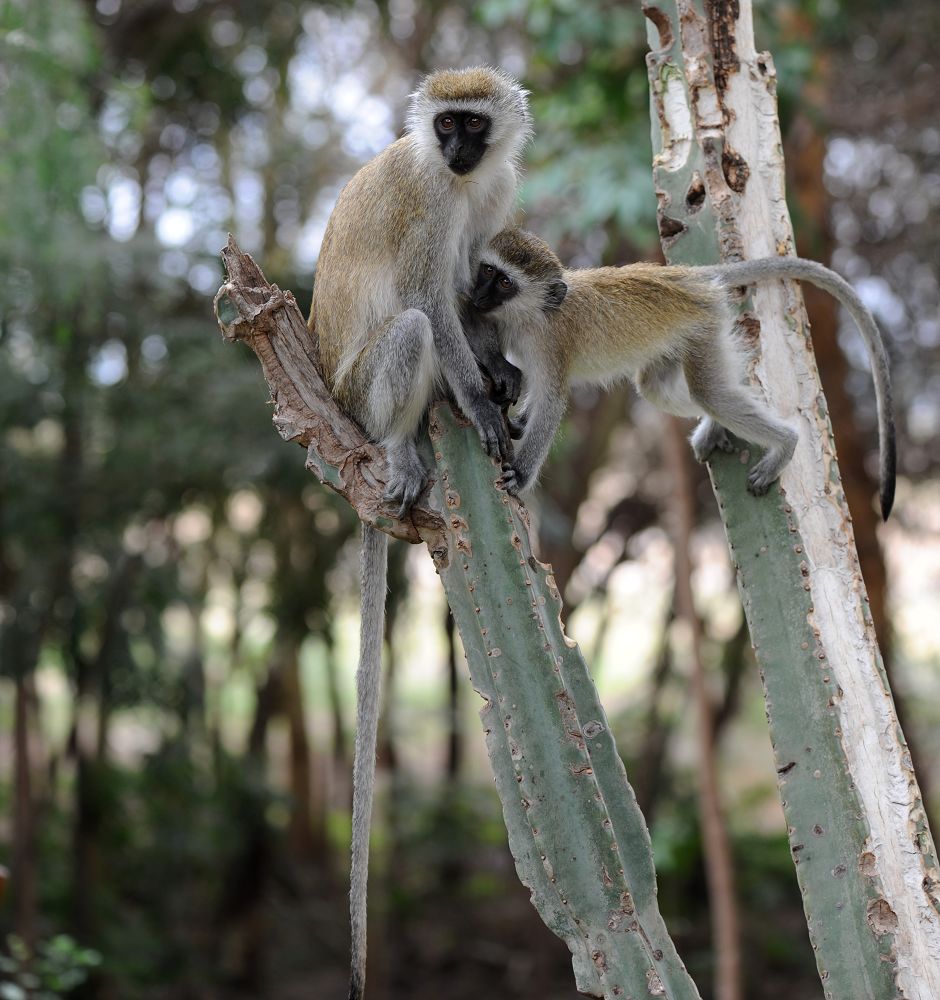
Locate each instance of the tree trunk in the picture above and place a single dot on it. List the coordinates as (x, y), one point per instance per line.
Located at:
(305, 841)
(24, 826)
(864, 856)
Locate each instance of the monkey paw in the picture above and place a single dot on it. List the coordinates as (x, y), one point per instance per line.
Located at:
(402, 491)
(507, 382)
(709, 436)
(490, 425)
(513, 481)
(760, 477)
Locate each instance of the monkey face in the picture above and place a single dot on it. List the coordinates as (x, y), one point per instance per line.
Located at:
(462, 138)
(492, 288)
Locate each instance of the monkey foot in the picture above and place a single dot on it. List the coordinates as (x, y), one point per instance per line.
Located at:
(762, 476)
(708, 436)
(403, 491)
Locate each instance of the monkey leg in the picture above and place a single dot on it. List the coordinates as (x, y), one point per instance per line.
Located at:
(543, 413)
(711, 374)
(389, 388)
(707, 436)
(663, 384)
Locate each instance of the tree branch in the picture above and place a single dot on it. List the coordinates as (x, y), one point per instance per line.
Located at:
(249, 308)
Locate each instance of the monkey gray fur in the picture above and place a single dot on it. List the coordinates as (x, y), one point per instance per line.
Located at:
(397, 248)
(669, 328)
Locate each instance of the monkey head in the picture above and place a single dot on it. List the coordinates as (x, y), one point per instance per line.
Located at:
(521, 272)
(459, 116)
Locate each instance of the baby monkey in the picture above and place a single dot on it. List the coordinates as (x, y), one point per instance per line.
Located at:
(668, 328)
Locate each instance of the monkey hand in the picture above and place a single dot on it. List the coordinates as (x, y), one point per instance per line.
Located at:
(488, 419)
(513, 480)
(506, 379)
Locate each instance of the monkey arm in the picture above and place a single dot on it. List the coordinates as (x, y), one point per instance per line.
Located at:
(460, 368)
(483, 337)
(545, 406)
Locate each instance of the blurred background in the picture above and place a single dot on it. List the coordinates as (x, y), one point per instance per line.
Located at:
(178, 598)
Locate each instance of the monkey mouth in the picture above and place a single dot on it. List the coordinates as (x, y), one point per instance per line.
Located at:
(463, 159)
(461, 167)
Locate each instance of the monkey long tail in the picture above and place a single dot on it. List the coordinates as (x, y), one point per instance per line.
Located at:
(749, 271)
(374, 566)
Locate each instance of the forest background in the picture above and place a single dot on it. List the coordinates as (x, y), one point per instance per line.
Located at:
(178, 597)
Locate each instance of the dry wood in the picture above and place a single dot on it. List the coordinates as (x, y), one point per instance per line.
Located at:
(249, 308)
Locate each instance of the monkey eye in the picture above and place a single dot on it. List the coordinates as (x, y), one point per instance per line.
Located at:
(488, 270)
(505, 281)
(446, 124)
(474, 123)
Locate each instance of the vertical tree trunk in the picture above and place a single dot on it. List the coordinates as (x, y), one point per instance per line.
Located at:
(806, 147)
(864, 855)
(578, 840)
(303, 838)
(24, 828)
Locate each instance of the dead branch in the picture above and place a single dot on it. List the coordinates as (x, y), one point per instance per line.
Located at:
(249, 308)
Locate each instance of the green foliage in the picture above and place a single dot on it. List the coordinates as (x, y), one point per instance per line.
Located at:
(588, 173)
(58, 967)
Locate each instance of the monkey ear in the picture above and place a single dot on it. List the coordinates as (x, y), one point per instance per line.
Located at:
(557, 290)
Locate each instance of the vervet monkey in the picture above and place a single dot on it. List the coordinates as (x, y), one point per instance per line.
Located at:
(669, 328)
(397, 247)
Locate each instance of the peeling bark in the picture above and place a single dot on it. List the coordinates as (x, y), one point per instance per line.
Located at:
(249, 308)
(864, 856)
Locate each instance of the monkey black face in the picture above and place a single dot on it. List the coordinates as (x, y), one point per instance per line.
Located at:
(462, 137)
(492, 288)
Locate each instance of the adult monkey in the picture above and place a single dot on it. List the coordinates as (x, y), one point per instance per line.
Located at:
(667, 327)
(397, 248)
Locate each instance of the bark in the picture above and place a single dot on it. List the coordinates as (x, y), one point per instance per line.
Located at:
(864, 855)
(735, 659)
(249, 308)
(806, 147)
